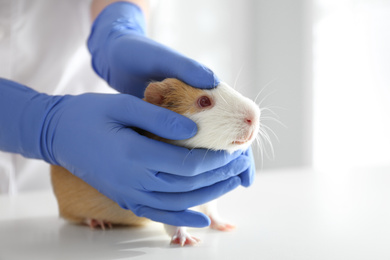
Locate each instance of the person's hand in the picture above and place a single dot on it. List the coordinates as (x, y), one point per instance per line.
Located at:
(248, 176)
(90, 135)
(128, 60)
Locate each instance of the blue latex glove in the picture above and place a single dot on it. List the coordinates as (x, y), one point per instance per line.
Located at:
(128, 60)
(90, 136)
(248, 176)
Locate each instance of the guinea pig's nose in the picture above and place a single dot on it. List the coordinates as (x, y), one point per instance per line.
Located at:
(250, 117)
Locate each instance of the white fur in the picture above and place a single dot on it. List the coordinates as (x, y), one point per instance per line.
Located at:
(224, 123)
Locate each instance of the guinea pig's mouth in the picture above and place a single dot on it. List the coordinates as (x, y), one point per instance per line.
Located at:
(243, 141)
(240, 142)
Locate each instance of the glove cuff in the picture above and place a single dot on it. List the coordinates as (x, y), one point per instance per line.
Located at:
(22, 120)
(115, 20)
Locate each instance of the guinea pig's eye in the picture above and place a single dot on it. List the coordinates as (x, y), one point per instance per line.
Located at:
(204, 101)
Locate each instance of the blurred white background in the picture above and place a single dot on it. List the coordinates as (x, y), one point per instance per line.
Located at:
(351, 83)
(322, 66)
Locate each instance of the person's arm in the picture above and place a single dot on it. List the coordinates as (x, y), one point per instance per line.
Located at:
(91, 136)
(98, 5)
(128, 60)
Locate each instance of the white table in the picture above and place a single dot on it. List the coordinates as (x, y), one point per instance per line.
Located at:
(289, 214)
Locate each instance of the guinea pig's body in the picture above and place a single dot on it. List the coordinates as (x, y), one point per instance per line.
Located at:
(80, 203)
(226, 121)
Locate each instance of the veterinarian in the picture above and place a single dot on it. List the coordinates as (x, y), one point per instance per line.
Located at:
(46, 51)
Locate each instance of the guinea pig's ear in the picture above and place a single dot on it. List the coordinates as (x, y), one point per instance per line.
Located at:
(155, 93)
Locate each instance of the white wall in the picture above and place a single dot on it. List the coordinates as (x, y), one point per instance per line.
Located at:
(283, 46)
(352, 84)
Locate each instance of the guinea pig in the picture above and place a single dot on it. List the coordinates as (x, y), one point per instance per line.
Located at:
(226, 120)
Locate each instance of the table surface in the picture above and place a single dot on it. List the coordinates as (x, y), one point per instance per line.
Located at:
(286, 214)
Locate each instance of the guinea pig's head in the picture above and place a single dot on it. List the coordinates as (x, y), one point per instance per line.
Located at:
(226, 120)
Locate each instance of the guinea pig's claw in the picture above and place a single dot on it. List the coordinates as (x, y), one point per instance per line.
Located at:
(182, 238)
(94, 223)
(221, 225)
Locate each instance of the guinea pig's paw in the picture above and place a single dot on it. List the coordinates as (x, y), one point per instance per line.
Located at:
(96, 223)
(221, 225)
(182, 238)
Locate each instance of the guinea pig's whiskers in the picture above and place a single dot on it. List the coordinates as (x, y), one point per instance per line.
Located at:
(267, 128)
(264, 98)
(185, 158)
(205, 154)
(260, 149)
(257, 96)
(223, 142)
(189, 152)
(238, 75)
(222, 98)
(264, 140)
(273, 117)
(270, 110)
(207, 151)
(220, 141)
(263, 88)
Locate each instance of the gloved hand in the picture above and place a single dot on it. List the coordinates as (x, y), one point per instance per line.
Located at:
(90, 136)
(128, 60)
(248, 176)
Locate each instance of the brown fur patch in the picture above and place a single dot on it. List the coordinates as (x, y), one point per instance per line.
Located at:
(78, 201)
(174, 95)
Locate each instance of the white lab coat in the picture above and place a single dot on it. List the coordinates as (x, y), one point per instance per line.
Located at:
(43, 46)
